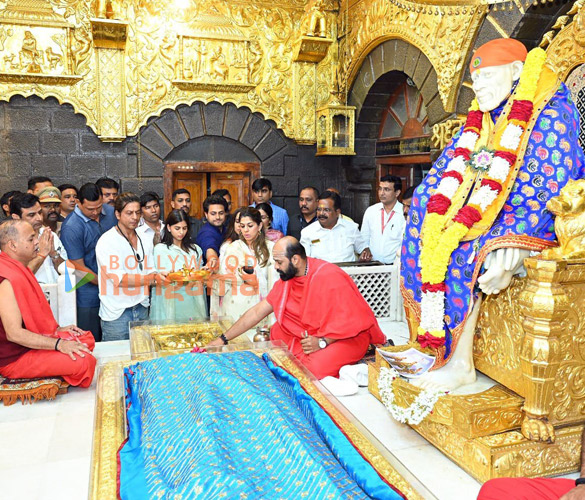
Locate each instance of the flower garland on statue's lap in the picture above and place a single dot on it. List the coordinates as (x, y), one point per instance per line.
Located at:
(442, 235)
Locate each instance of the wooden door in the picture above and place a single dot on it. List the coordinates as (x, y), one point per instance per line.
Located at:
(196, 184)
(237, 183)
(202, 178)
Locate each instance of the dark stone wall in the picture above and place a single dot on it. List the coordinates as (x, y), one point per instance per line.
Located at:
(43, 137)
(381, 73)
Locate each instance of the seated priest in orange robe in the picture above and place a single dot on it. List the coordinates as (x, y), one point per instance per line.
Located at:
(320, 313)
(31, 342)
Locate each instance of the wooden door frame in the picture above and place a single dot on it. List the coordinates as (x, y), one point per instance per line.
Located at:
(175, 167)
(398, 161)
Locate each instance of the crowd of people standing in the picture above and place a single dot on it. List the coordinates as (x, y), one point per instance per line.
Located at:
(122, 248)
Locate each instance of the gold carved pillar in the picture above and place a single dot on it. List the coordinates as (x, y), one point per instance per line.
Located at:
(109, 37)
(544, 305)
(310, 48)
(305, 97)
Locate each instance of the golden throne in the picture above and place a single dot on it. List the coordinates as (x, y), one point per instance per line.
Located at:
(530, 339)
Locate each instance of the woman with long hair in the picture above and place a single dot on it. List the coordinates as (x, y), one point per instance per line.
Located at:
(178, 301)
(232, 234)
(266, 212)
(247, 267)
(233, 231)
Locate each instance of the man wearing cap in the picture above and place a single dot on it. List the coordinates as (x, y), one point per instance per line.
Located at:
(50, 198)
(481, 209)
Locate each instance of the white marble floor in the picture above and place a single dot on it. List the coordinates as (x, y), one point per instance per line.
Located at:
(45, 448)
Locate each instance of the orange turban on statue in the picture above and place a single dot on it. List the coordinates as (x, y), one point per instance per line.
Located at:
(498, 52)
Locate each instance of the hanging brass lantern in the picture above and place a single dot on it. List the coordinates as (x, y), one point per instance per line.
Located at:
(335, 129)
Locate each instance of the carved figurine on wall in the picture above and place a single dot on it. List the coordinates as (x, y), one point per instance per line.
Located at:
(218, 67)
(481, 209)
(316, 22)
(30, 57)
(53, 58)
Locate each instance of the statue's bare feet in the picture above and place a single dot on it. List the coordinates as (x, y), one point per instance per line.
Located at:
(448, 378)
(538, 430)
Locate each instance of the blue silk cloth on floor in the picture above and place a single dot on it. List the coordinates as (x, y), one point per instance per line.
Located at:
(233, 425)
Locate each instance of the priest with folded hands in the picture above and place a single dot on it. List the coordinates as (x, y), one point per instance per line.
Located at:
(320, 314)
(31, 342)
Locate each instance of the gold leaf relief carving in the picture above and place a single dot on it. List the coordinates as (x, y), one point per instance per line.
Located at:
(268, 28)
(55, 59)
(443, 33)
(499, 337)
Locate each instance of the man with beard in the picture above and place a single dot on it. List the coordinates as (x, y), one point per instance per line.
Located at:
(51, 251)
(333, 238)
(308, 199)
(212, 233)
(310, 303)
(109, 189)
(125, 271)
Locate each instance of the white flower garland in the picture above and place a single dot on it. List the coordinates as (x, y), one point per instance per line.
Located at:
(417, 411)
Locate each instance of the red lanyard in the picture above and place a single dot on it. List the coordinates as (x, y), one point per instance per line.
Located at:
(384, 221)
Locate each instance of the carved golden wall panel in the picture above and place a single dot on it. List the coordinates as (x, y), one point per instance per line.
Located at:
(443, 32)
(238, 52)
(110, 41)
(305, 81)
(56, 59)
(566, 49)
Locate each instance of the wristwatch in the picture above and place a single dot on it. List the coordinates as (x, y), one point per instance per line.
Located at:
(322, 343)
(579, 481)
(224, 339)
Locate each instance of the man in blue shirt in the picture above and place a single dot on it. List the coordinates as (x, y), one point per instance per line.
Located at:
(261, 193)
(79, 233)
(211, 235)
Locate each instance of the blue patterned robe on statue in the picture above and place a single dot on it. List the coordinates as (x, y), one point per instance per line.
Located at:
(552, 158)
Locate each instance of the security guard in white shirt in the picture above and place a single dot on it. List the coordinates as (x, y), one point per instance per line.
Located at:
(331, 237)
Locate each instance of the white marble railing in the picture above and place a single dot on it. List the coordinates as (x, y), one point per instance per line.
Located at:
(63, 303)
(380, 286)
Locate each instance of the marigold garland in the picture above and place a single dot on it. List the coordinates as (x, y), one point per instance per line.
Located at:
(440, 236)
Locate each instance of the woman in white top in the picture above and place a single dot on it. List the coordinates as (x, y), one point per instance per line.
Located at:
(248, 268)
(178, 301)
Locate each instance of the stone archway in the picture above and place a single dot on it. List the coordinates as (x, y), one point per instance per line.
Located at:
(225, 133)
(370, 92)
